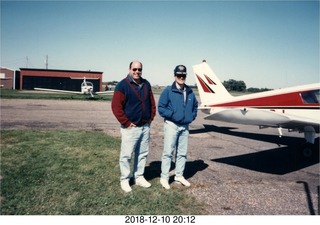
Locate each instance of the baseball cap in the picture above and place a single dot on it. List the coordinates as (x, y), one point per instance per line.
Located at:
(180, 70)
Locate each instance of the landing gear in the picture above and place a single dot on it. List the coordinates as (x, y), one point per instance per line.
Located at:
(311, 147)
(307, 150)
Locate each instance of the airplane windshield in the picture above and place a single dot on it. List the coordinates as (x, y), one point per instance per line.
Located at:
(86, 84)
(311, 97)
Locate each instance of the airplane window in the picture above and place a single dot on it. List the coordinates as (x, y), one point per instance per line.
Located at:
(311, 97)
(317, 94)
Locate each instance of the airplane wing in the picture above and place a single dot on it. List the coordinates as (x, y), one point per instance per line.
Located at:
(262, 118)
(299, 123)
(57, 90)
(104, 92)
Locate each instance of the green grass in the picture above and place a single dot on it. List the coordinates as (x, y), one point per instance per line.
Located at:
(76, 173)
(16, 94)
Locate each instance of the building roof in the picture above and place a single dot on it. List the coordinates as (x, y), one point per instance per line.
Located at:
(56, 70)
(6, 68)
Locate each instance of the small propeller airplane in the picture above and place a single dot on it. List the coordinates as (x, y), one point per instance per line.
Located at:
(86, 88)
(295, 108)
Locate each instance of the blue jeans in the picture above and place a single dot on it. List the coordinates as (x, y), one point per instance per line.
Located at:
(175, 137)
(134, 140)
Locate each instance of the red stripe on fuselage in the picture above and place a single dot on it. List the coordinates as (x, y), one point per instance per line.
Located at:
(280, 100)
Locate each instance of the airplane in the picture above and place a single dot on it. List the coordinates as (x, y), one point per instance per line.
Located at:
(86, 88)
(294, 108)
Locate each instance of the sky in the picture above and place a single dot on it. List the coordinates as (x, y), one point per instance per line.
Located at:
(266, 44)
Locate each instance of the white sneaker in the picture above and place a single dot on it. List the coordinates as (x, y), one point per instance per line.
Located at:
(125, 186)
(142, 182)
(182, 181)
(164, 183)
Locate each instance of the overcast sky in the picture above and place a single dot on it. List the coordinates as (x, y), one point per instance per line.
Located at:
(267, 44)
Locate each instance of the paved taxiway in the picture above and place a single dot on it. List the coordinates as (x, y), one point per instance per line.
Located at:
(234, 169)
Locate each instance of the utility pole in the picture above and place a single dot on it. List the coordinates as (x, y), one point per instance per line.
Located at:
(46, 61)
(27, 59)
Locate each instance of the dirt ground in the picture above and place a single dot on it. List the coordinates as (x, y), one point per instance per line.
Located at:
(233, 169)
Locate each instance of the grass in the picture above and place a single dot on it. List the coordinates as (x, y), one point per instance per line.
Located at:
(76, 173)
(16, 94)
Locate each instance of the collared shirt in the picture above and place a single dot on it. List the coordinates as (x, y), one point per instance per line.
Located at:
(183, 91)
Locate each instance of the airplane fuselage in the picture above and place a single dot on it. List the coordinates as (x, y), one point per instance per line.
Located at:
(278, 108)
(295, 108)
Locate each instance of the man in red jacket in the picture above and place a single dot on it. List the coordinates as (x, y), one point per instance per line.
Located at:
(134, 106)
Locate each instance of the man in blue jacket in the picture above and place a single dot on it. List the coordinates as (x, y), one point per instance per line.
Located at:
(178, 106)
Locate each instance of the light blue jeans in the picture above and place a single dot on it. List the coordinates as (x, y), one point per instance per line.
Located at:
(175, 138)
(134, 140)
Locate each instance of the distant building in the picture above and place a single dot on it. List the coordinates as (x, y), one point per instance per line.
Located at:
(7, 78)
(57, 79)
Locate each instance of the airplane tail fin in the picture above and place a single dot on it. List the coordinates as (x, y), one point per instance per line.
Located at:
(211, 90)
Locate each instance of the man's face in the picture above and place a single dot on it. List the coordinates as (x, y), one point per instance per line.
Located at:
(180, 78)
(136, 70)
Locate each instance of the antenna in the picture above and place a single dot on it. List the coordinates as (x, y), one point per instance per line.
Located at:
(27, 59)
(46, 61)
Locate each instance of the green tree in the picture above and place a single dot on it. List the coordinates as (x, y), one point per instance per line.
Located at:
(234, 85)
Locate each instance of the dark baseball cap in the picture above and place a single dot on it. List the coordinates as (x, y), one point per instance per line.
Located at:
(180, 70)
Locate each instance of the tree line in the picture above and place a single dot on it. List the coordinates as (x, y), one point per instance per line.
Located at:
(230, 85)
(240, 86)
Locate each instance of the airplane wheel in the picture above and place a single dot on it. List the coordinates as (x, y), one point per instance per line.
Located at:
(307, 150)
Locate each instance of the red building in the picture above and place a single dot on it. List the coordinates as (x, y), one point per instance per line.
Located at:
(7, 78)
(58, 79)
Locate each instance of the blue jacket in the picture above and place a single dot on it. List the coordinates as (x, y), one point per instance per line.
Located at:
(171, 105)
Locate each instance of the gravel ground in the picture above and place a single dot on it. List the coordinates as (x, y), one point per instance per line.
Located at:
(233, 169)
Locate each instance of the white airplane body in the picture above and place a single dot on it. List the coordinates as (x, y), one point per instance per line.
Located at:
(86, 88)
(295, 108)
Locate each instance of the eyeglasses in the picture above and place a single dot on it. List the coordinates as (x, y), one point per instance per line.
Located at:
(181, 76)
(135, 69)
